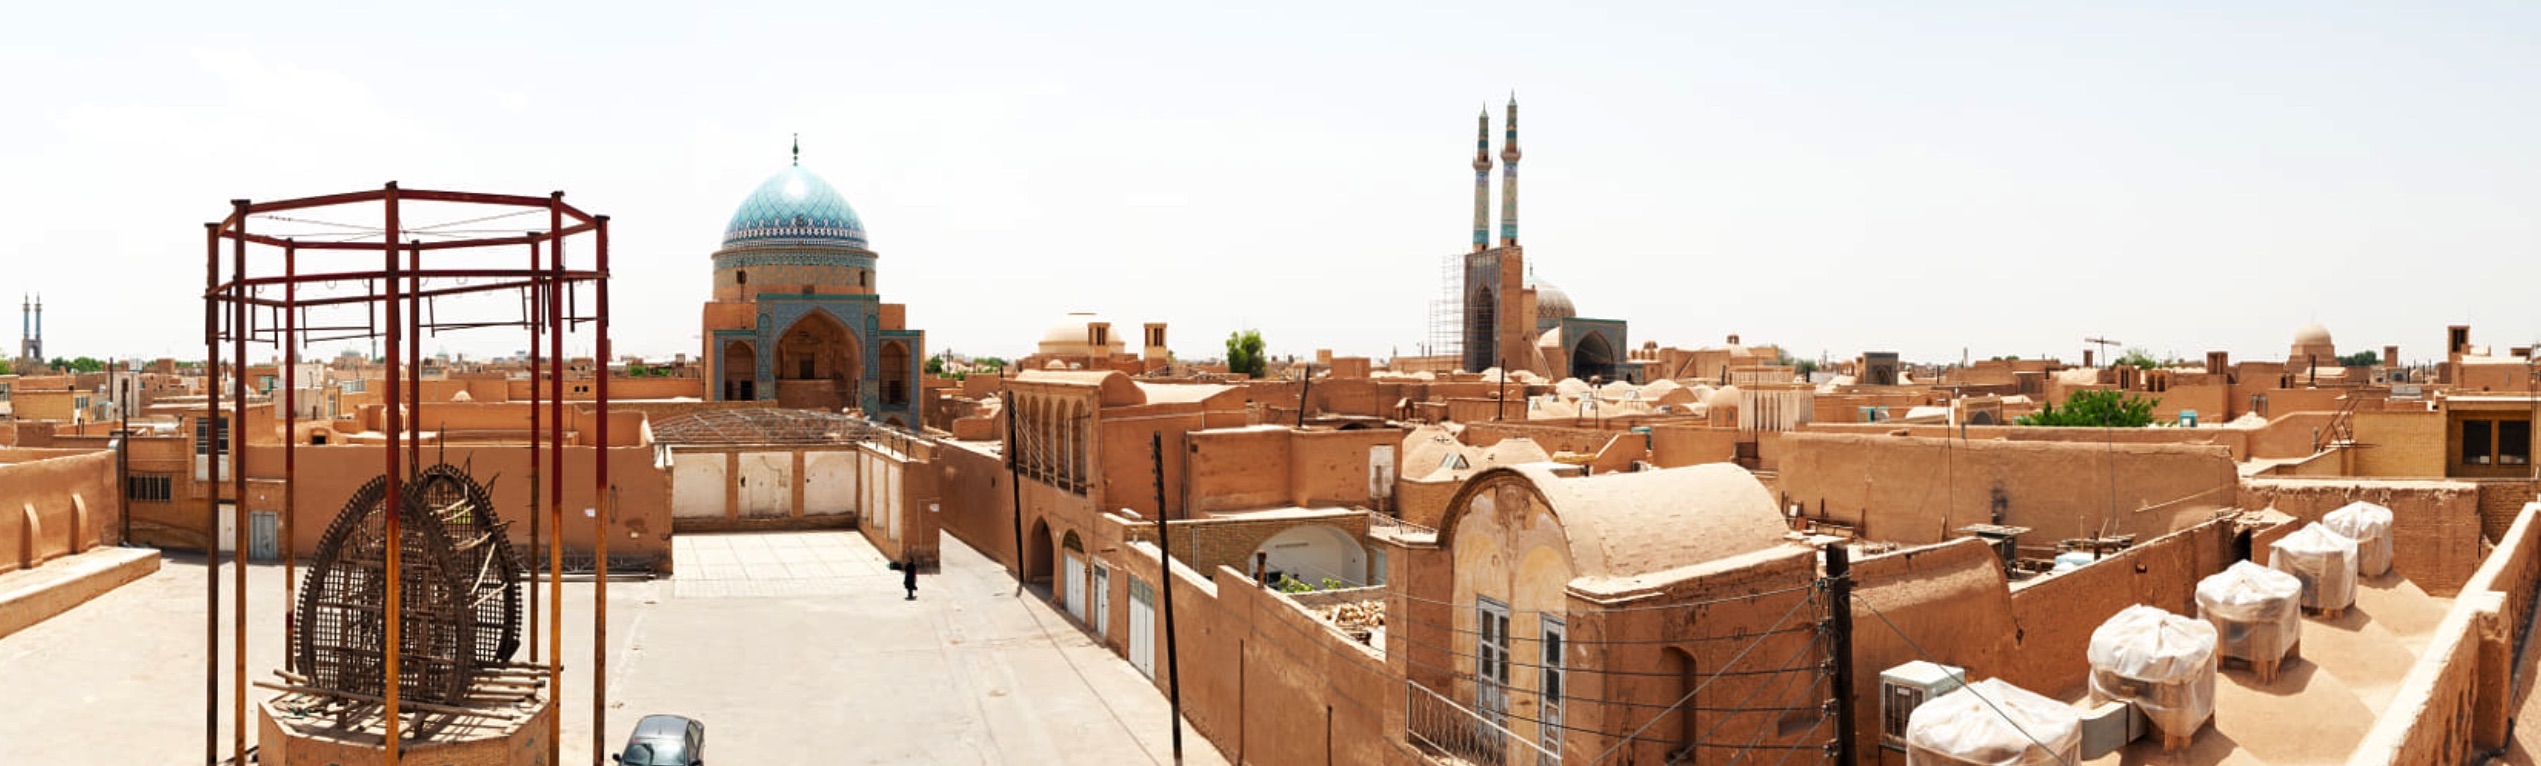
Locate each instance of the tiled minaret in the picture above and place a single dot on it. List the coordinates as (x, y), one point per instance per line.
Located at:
(1509, 178)
(1482, 181)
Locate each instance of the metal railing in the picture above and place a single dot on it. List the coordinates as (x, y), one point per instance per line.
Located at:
(1441, 727)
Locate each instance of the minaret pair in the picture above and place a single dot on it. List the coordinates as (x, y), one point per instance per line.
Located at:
(1508, 180)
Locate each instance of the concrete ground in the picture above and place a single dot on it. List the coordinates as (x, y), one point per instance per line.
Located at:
(791, 647)
(2322, 702)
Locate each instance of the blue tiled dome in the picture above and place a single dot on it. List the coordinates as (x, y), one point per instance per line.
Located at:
(795, 206)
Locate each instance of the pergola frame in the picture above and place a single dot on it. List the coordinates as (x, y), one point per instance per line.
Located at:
(260, 300)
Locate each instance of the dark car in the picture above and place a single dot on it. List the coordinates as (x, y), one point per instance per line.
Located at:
(665, 740)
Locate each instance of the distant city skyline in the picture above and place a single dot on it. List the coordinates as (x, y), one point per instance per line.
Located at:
(1995, 177)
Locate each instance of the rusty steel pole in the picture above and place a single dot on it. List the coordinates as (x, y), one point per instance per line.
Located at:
(556, 480)
(211, 499)
(535, 531)
(393, 614)
(603, 496)
(238, 486)
(290, 443)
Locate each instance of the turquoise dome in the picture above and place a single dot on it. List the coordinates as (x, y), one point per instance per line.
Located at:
(795, 207)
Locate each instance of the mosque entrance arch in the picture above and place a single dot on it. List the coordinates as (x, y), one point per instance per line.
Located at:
(895, 374)
(818, 363)
(740, 371)
(1592, 357)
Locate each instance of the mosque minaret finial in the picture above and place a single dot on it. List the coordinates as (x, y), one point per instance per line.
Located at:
(1509, 177)
(1482, 180)
(798, 149)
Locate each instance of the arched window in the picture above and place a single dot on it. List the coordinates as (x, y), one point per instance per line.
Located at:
(741, 276)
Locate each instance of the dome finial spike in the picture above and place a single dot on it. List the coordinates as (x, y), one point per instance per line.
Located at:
(798, 149)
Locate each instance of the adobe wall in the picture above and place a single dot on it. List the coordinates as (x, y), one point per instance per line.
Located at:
(2234, 439)
(2435, 525)
(1673, 446)
(1239, 469)
(2212, 401)
(55, 503)
(1747, 626)
(1915, 490)
(901, 503)
(2460, 699)
(1553, 438)
(328, 476)
(2055, 614)
(978, 505)
(2500, 500)
(1950, 599)
(1330, 468)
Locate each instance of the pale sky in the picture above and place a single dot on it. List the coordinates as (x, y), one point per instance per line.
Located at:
(1923, 177)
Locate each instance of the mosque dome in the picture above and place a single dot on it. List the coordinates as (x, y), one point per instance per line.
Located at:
(1551, 304)
(2312, 335)
(795, 207)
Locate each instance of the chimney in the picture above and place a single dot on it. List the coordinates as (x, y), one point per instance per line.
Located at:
(2088, 360)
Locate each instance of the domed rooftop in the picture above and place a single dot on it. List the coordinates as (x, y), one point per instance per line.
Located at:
(795, 207)
(2312, 335)
(1551, 304)
(1073, 335)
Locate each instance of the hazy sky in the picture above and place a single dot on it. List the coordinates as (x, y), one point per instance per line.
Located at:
(1921, 177)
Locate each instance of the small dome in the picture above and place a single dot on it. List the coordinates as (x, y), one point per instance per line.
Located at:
(1072, 335)
(1725, 397)
(2312, 335)
(795, 207)
(1551, 304)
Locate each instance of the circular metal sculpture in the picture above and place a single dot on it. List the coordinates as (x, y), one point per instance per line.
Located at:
(460, 607)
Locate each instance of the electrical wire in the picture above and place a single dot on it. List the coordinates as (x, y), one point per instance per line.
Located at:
(1654, 608)
(1706, 683)
(1962, 679)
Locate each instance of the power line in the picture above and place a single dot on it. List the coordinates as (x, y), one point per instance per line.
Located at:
(1961, 677)
(1707, 682)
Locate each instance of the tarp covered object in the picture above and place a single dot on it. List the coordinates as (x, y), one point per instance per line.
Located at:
(2370, 526)
(2162, 662)
(1993, 723)
(2324, 560)
(2257, 612)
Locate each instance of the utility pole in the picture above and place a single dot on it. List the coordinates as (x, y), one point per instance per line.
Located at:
(2104, 345)
(1839, 582)
(1164, 557)
(1014, 481)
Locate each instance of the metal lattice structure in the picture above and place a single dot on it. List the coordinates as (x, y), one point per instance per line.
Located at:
(761, 426)
(461, 611)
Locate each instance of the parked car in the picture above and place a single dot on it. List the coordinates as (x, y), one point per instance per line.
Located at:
(665, 740)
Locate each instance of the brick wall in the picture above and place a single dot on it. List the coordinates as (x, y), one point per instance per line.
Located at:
(2499, 501)
(2057, 614)
(1209, 544)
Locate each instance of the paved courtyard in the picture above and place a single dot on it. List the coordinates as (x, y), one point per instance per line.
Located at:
(792, 647)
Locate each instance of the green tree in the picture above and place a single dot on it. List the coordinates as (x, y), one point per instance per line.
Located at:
(2138, 358)
(1806, 367)
(1244, 353)
(7, 367)
(935, 365)
(2096, 408)
(2360, 359)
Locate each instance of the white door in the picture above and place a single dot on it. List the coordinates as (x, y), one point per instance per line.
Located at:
(767, 484)
(1142, 627)
(1102, 598)
(697, 485)
(1075, 596)
(229, 527)
(1551, 680)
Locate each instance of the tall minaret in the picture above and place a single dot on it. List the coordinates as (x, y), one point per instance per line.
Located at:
(1482, 180)
(1509, 178)
(26, 324)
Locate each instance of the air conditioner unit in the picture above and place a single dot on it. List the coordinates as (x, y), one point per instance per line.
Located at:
(1906, 687)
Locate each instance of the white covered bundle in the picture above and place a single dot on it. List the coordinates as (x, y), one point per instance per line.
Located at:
(2324, 560)
(2162, 662)
(2370, 526)
(2257, 612)
(1965, 727)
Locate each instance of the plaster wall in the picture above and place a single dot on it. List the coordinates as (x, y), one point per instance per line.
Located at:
(2054, 615)
(638, 527)
(2461, 697)
(1672, 446)
(1949, 598)
(2399, 444)
(978, 506)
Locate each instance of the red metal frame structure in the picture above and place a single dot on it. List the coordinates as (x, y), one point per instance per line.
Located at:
(262, 296)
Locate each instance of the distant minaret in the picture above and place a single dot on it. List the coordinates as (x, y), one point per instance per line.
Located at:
(26, 324)
(1509, 178)
(798, 149)
(1482, 181)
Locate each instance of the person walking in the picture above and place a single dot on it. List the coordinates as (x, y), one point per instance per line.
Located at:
(909, 576)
